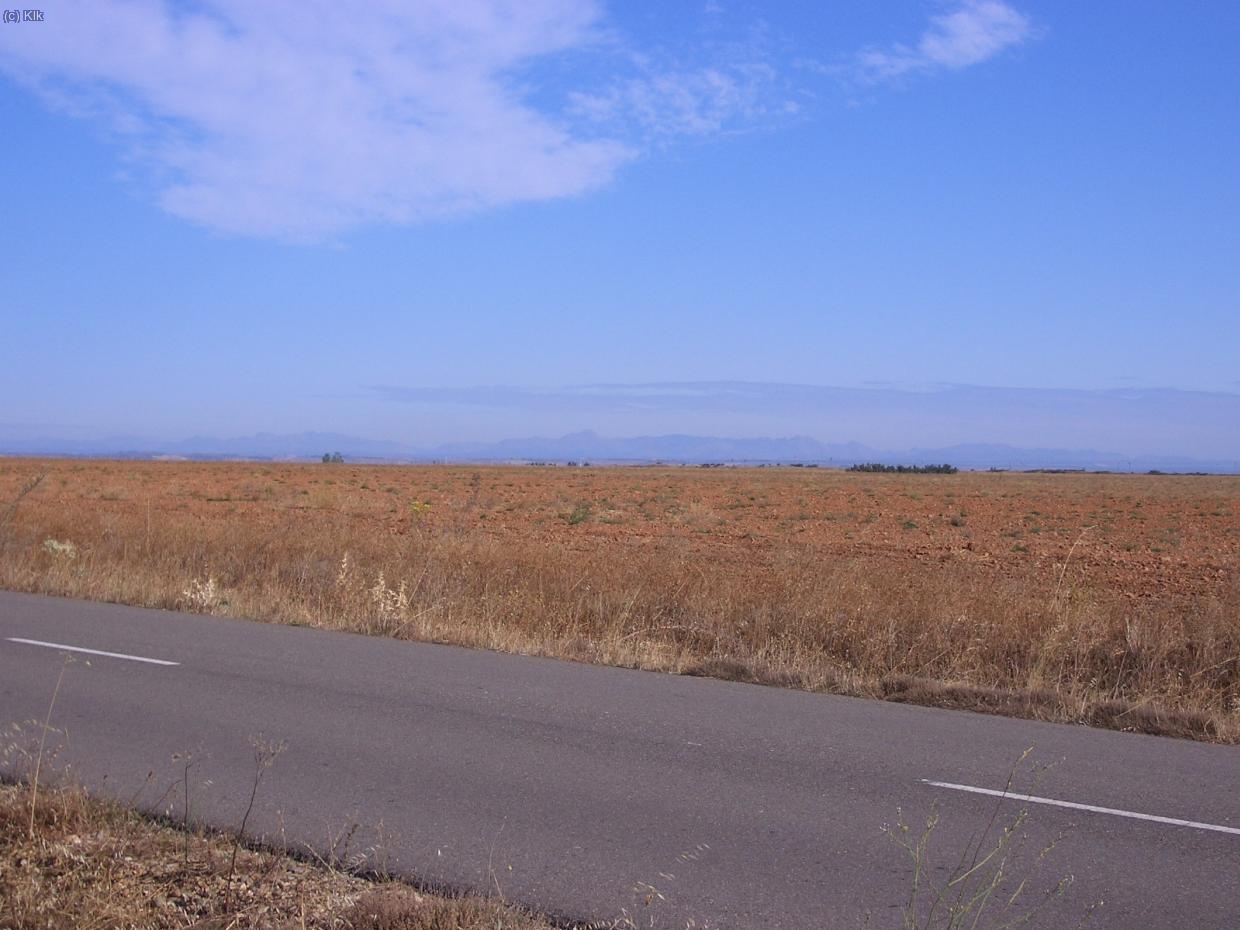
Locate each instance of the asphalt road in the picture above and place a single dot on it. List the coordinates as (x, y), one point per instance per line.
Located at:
(578, 789)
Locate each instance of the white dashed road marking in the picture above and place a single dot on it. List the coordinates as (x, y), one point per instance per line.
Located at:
(93, 652)
(1032, 799)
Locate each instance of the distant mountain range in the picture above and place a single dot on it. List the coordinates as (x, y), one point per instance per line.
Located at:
(589, 446)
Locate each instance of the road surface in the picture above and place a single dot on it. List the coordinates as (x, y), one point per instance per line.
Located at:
(581, 790)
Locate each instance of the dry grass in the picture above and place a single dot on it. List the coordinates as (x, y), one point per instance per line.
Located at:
(93, 864)
(809, 579)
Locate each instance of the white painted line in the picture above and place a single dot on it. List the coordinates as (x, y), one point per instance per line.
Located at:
(93, 652)
(1032, 799)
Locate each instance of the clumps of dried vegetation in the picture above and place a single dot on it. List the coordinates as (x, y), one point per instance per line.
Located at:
(952, 632)
(69, 860)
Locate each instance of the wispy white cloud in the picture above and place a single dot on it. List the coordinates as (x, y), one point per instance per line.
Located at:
(663, 103)
(302, 118)
(967, 34)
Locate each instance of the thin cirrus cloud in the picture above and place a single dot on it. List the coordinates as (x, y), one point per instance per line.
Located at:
(661, 103)
(967, 34)
(287, 120)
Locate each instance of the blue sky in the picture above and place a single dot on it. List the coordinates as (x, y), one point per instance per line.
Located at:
(225, 217)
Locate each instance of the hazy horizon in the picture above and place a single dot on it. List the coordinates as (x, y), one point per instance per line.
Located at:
(1158, 423)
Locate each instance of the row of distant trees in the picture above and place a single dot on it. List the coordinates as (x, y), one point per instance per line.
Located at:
(905, 469)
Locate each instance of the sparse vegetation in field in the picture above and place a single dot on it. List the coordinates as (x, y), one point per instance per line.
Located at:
(817, 580)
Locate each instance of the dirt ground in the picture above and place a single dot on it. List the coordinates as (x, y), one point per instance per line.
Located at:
(1137, 536)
